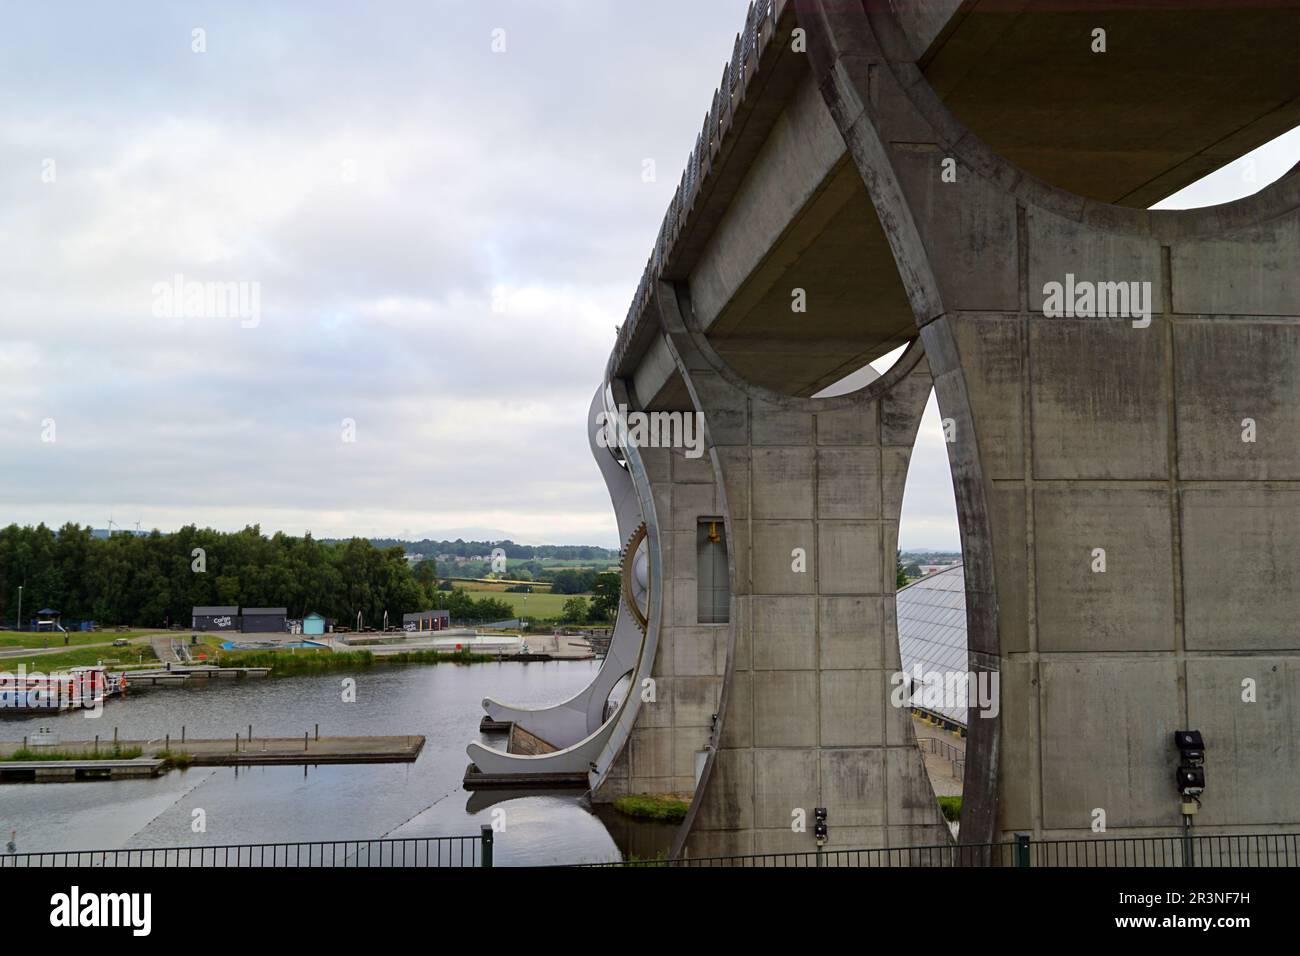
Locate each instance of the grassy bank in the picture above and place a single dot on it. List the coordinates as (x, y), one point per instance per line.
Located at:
(174, 761)
(109, 753)
(951, 807)
(645, 806)
(132, 656)
(309, 661)
(33, 640)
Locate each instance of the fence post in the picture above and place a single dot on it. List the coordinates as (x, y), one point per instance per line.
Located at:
(1022, 849)
(485, 841)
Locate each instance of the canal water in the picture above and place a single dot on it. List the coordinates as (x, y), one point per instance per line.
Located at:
(290, 804)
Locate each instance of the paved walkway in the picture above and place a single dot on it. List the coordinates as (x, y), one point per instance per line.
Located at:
(163, 650)
(558, 646)
(944, 776)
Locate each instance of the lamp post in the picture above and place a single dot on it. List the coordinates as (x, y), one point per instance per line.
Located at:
(20, 607)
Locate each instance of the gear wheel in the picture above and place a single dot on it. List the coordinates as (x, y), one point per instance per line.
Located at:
(636, 577)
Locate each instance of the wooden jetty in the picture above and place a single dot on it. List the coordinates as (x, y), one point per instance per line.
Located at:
(62, 771)
(236, 750)
(184, 674)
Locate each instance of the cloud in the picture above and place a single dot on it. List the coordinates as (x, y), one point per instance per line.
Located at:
(442, 240)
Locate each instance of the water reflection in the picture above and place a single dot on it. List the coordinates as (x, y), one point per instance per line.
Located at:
(326, 802)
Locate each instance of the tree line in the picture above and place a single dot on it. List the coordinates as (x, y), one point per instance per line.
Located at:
(155, 580)
(514, 552)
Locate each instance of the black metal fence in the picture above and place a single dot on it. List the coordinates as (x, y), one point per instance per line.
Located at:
(455, 851)
(1252, 849)
(1240, 850)
(1243, 850)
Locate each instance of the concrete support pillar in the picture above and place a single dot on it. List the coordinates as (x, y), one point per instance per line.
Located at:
(675, 723)
(809, 492)
(1126, 461)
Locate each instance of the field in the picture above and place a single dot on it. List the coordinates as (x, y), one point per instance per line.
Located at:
(134, 655)
(537, 605)
(75, 638)
(484, 584)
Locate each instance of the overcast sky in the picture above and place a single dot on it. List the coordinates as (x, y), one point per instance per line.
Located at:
(442, 238)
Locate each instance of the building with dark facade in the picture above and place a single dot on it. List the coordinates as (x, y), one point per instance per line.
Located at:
(264, 620)
(215, 618)
(426, 621)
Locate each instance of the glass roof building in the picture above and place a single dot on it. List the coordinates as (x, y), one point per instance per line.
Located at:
(932, 640)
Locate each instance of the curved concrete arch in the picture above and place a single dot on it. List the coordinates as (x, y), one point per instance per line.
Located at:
(867, 148)
(620, 726)
(1114, 427)
(573, 720)
(587, 742)
(699, 343)
(873, 33)
(1048, 451)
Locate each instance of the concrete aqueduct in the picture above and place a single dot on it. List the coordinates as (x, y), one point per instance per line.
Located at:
(1127, 474)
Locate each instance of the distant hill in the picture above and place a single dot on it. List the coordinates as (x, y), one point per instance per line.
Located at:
(515, 552)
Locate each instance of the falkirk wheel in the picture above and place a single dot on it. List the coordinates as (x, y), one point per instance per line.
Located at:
(967, 185)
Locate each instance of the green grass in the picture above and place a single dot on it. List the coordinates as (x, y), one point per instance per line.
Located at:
(537, 605)
(951, 807)
(111, 753)
(175, 761)
(35, 641)
(312, 661)
(46, 663)
(644, 806)
(462, 656)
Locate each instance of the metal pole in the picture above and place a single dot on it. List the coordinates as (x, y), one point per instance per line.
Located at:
(1189, 857)
(20, 607)
(485, 840)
